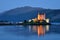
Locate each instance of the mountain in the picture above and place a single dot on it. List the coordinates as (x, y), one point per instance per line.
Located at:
(26, 13)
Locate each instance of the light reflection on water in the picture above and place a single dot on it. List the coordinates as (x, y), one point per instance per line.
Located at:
(40, 30)
(29, 32)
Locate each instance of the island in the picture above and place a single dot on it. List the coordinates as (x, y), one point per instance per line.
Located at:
(39, 20)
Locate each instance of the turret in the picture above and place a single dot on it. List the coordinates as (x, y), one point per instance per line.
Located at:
(41, 17)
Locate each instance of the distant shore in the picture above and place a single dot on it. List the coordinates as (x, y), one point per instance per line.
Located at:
(25, 24)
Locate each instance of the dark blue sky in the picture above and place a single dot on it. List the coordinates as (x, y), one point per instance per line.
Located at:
(10, 4)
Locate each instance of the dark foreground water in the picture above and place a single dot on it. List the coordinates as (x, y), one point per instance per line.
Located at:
(29, 32)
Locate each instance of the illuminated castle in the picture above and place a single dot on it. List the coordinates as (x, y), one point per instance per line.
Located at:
(40, 18)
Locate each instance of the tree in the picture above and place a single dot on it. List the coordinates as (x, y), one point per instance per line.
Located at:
(25, 21)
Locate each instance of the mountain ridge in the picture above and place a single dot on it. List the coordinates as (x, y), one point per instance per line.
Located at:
(26, 13)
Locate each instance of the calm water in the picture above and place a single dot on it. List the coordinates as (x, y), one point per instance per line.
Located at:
(29, 32)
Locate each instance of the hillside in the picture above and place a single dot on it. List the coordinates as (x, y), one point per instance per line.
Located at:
(26, 13)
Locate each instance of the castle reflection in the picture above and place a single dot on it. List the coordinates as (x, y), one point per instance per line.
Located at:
(40, 30)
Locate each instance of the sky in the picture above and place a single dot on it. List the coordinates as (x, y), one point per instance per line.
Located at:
(11, 4)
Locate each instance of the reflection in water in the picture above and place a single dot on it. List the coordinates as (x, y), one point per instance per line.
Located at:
(29, 32)
(41, 30)
(29, 28)
(47, 27)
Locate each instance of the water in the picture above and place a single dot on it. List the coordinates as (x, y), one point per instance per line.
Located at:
(28, 32)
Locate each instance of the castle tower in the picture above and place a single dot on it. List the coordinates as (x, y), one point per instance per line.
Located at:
(44, 16)
(41, 17)
(38, 16)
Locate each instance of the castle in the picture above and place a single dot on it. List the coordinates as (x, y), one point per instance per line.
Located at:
(40, 18)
